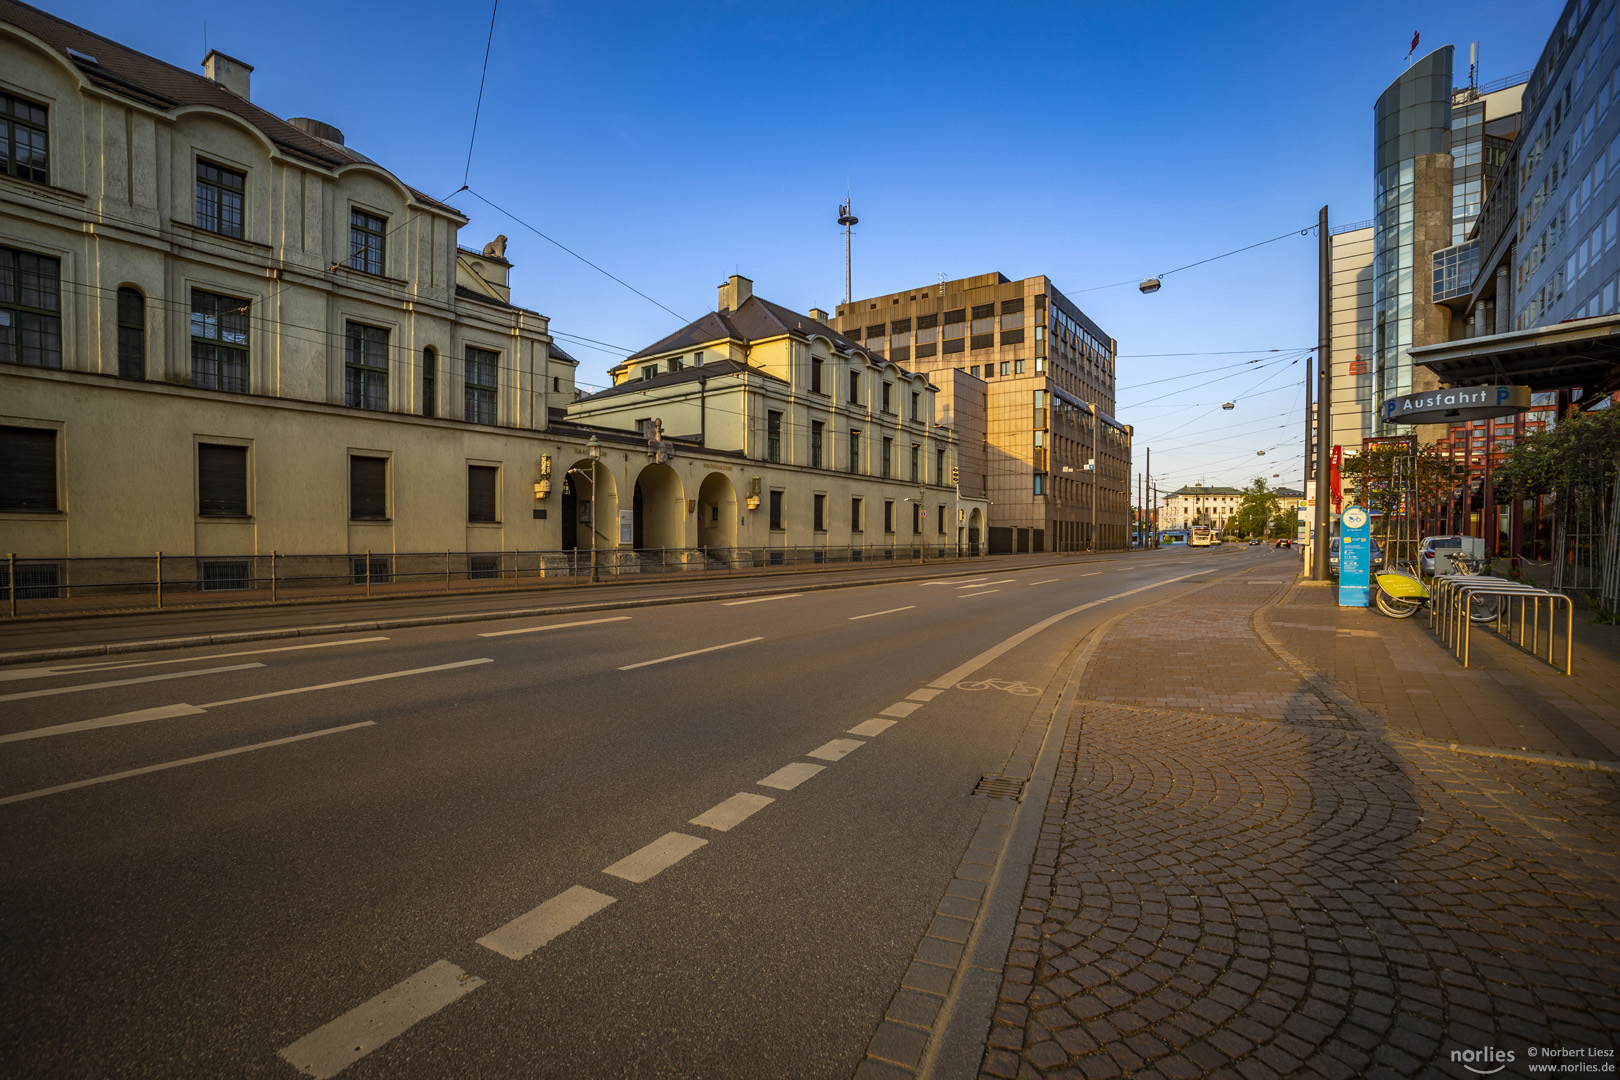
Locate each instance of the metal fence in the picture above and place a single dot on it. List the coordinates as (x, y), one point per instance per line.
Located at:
(33, 587)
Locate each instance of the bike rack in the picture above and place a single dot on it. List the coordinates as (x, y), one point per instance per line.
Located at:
(1452, 593)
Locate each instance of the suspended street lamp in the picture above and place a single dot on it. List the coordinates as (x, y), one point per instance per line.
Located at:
(1229, 406)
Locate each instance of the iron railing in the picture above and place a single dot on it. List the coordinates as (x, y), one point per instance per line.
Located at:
(33, 587)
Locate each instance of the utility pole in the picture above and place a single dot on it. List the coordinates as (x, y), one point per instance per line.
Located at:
(1324, 396)
(848, 221)
(1148, 478)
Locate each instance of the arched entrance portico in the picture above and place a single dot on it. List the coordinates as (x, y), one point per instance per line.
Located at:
(585, 510)
(975, 533)
(659, 503)
(717, 512)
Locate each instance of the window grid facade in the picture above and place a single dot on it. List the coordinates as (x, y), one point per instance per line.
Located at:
(365, 370)
(367, 234)
(24, 139)
(30, 309)
(219, 342)
(482, 385)
(220, 193)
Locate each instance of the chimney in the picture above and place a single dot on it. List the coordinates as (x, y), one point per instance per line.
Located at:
(819, 315)
(735, 291)
(229, 72)
(317, 128)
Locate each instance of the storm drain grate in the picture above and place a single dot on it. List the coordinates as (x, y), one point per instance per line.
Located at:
(999, 787)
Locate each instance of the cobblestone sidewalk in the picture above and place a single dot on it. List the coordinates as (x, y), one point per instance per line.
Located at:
(1257, 882)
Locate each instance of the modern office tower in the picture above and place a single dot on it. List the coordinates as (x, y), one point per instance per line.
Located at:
(1057, 463)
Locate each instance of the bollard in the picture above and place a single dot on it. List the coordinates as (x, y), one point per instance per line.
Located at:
(159, 579)
(11, 581)
(368, 573)
(272, 577)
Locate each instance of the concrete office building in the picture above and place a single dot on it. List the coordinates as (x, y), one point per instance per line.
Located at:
(1048, 372)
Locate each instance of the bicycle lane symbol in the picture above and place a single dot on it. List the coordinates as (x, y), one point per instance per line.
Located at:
(1007, 685)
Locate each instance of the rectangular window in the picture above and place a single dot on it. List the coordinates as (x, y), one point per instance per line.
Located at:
(365, 369)
(939, 519)
(888, 515)
(481, 567)
(776, 511)
(219, 199)
(984, 319)
(23, 139)
(955, 330)
(430, 375)
(368, 488)
(221, 481)
(27, 469)
(899, 334)
(888, 457)
(815, 375)
(482, 384)
(30, 309)
(1004, 367)
(481, 492)
(819, 512)
(225, 575)
(855, 451)
(374, 570)
(855, 387)
(888, 404)
(1018, 367)
(366, 235)
(874, 336)
(219, 342)
(131, 334)
(773, 436)
(939, 466)
(916, 452)
(817, 431)
(927, 329)
(855, 514)
(916, 406)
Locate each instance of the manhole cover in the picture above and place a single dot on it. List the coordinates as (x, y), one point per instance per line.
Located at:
(999, 787)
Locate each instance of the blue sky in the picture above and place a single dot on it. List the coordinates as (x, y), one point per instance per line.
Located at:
(674, 144)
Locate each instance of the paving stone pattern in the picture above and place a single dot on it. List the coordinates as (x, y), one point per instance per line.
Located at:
(1276, 890)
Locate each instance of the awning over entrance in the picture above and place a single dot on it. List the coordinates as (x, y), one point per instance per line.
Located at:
(1581, 352)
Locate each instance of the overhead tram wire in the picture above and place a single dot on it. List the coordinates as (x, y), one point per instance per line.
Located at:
(1247, 247)
(472, 139)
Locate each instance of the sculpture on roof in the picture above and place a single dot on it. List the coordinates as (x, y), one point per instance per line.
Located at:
(496, 247)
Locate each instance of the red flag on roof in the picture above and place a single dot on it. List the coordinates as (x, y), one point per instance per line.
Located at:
(1413, 49)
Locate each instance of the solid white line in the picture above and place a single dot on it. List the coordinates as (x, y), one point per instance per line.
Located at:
(120, 665)
(125, 682)
(901, 708)
(656, 857)
(724, 816)
(962, 671)
(684, 655)
(836, 750)
(791, 776)
(1001, 581)
(25, 796)
(1047, 581)
(350, 682)
(330, 1049)
(958, 582)
(162, 712)
(872, 727)
(761, 599)
(536, 927)
(875, 614)
(1094, 573)
(554, 626)
(987, 592)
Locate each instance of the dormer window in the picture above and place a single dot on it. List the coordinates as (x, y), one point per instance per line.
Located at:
(367, 233)
(219, 199)
(649, 371)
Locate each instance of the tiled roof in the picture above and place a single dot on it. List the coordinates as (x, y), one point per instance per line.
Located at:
(153, 82)
(755, 319)
(690, 374)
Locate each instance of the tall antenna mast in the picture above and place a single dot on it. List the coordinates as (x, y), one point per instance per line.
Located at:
(847, 220)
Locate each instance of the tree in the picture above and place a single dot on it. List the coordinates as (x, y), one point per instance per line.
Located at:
(1582, 449)
(1258, 508)
(1369, 478)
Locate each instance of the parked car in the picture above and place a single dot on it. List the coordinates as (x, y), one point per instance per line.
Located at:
(1431, 546)
(1333, 556)
(1255, 542)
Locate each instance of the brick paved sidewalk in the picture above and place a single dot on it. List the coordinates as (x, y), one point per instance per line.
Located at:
(1241, 875)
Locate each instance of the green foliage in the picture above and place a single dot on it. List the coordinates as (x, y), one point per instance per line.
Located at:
(1368, 477)
(1583, 449)
(1258, 508)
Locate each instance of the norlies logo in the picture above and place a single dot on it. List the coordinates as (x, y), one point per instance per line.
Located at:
(1486, 1061)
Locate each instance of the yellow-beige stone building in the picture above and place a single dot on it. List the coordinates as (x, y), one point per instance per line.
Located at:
(225, 334)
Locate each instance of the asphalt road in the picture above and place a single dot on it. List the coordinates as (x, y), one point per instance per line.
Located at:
(434, 853)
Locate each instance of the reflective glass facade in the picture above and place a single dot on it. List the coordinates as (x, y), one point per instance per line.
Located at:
(1411, 119)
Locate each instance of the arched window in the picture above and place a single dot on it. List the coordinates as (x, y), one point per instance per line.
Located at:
(131, 334)
(430, 371)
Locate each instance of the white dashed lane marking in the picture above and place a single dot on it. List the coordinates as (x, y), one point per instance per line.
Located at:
(927, 693)
(162, 712)
(1046, 581)
(731, 813)
(537, 927)
(1001, 581)
(791, 776)
(555, 626)
(836, 750)
(761, 599)
(875, 614)
(655, 858)
(872, 727)
(125, 682)
(120, 665)
(901, 708)
(330, 1049)
(987, 592)
(694, 652)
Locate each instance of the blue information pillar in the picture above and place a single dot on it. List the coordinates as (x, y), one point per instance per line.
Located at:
(1355, 556)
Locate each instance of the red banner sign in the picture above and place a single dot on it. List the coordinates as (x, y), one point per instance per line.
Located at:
(1334, 460)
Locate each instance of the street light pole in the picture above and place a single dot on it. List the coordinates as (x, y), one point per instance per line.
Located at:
(1324, 396)
(1091, 541)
